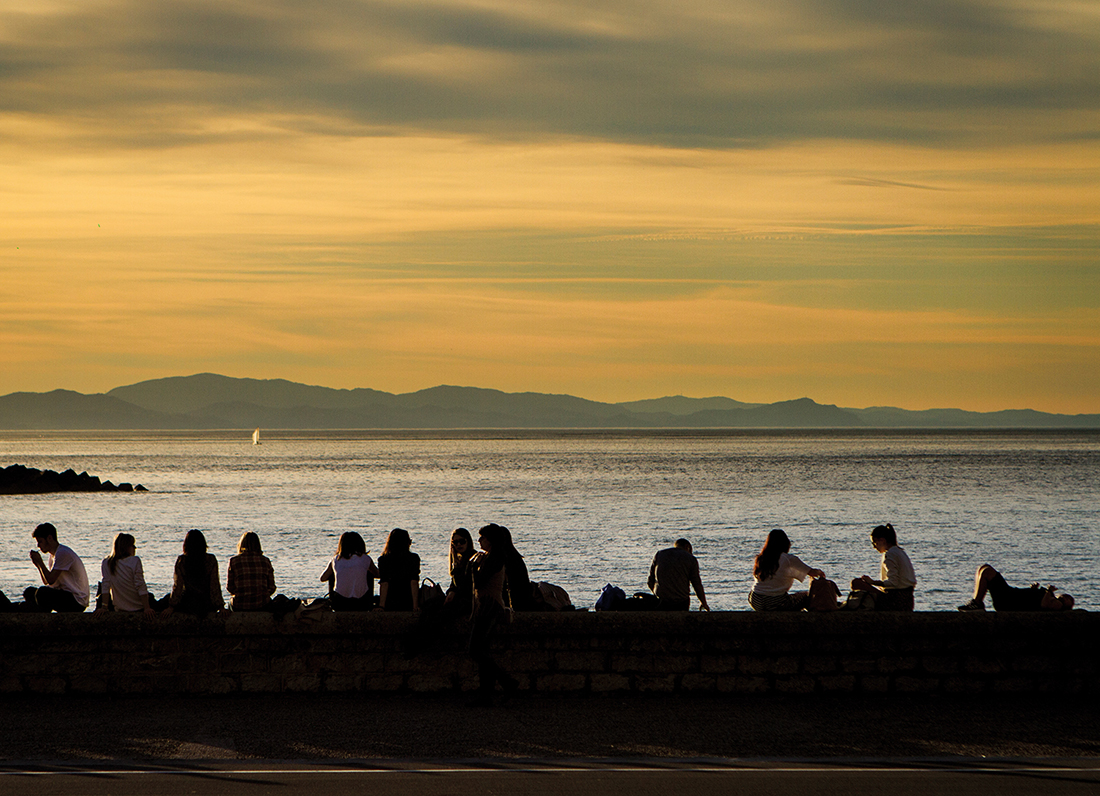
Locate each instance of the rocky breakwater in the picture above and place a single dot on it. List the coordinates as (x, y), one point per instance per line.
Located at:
(20, 480)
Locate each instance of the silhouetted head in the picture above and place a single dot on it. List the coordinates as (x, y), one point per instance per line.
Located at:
(462, 546)
(1067, 601)
(499, 540)
(123, 547)
(249, 543)
(398, 542)
(194, 543)
(350, 544)
(45, 531)
(886, 534)
(767, 560)
(683, 544)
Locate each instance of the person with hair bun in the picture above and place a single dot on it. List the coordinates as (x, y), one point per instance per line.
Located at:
(897, 580)
(774, 572)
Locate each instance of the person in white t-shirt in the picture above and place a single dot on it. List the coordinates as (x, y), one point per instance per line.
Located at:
(774, 572)
(350, 575)
(122, 587)
(897, 580)
(65, 588)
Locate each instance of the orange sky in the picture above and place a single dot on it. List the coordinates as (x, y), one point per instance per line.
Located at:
(866, 206)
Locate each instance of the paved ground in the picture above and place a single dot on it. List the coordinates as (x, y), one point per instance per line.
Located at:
(364, 727)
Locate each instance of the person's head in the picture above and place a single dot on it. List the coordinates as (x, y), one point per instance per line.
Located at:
(249, 543)
(683, 544)
(124, 547)
(495, 538)
(46, 536)
(194, 543)
(462, 545)
(883, 537)
(767, 560)
(1067, 601)
(350, 544)
(398, 542)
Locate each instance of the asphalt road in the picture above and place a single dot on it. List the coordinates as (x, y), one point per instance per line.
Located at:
(660, 744)
(699, 778)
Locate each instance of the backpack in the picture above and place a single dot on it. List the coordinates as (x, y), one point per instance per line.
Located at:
(552, 597)
(823, 594)
(610, 599)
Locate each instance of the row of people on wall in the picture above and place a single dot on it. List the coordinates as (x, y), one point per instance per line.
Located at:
(351, 575)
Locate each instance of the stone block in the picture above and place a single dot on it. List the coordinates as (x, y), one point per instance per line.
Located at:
(88, 684)
(560, 682)
(429, 683)
(529, 660)
(382, 682)
(916, 685)
(648, 684)
(820, 664)
(898, 664)
(742, 685)
(261, 683)
(939, 664)
(699, 682)
(341, 683)
(755, 664)
(798, 684)
(578, 661)
(974, 664)
(607, 683)
(718, 663)
(631, 663)
(786, 665)
(1013, 685)
(836, 683)
(858, 665)
(303, 682)
(874, 684)
(45, 684)
(964, 684)
(211, 684)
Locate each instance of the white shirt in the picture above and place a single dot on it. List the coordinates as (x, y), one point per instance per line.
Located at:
(126, 586)
(72, 576)
(352, 575)
(790, 568)
(896, 571)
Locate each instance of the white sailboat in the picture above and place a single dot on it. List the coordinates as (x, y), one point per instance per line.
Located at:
(256, 437)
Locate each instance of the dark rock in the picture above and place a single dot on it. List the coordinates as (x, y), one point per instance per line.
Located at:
(21, 480)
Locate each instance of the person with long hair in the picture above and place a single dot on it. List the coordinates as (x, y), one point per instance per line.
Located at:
(398, 574)
(350, 575)
(196, 588)
(459, 598)
(489, 577)
(122, 582)
(774, 572)
(250, 579)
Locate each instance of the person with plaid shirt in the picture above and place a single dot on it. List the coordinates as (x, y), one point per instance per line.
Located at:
(250, 579)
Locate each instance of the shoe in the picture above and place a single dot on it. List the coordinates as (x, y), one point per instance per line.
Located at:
(973, 605)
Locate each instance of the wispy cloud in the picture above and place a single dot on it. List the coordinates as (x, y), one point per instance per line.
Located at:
(695, 73)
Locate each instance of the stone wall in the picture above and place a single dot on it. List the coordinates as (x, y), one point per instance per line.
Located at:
(580, 652)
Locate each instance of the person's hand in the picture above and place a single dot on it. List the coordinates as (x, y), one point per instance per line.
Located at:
(703, 605)
(816, 573)
(100, 611)
(149, 611)
(167, 612)
(36, 558)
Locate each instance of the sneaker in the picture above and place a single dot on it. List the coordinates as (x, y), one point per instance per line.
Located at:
(973, 605)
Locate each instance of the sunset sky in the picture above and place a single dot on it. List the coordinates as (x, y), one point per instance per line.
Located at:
(863, 202)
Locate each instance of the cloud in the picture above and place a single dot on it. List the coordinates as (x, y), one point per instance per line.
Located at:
(696, 73)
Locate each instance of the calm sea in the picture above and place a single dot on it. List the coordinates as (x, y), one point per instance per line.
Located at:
(585, 508)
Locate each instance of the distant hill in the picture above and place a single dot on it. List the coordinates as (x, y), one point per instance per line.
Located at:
(207, 400)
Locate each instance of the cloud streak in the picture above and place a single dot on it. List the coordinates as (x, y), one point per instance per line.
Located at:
(710, 74)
